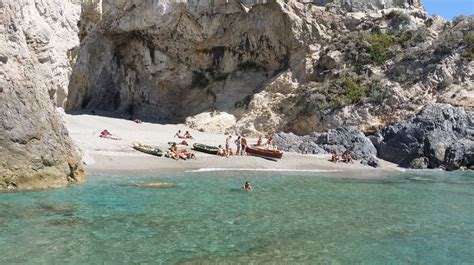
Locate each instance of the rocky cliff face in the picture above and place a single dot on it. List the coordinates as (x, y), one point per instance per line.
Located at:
(264, 66)
(35, 149)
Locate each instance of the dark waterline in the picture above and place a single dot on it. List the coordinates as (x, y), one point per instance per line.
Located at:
(415, 217)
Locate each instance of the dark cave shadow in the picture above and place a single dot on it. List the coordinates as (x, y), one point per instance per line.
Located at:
(125, 116)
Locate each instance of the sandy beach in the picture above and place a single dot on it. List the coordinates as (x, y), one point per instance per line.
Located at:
(117, 157)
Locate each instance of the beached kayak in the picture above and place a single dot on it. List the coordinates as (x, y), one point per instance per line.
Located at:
(148, 149)
(264, 152)
(205, 148)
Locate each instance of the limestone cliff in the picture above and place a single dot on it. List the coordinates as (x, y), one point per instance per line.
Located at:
(35, 149)
(262, 66)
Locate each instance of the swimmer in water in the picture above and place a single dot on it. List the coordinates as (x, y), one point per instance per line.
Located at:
(247, 187)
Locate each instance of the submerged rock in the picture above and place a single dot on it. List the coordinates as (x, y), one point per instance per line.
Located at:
(157, 185)
(440, 136)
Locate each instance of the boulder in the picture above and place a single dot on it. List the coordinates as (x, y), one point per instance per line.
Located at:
(348, 138)
(460, 155)
(440, 136)
(340, 140)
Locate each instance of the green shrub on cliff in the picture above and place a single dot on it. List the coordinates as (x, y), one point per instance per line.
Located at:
(364, 49)
(379, 47)
(345, 91)
(469, 42)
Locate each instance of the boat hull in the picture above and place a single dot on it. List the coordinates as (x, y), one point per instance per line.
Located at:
(205, 148)
(264, 152)
(148, 149)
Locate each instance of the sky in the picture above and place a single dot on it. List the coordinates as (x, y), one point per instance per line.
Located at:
(449, 8)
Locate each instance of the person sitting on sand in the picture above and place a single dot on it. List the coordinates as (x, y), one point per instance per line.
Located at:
(247, 186)
(187, 135)
(347, 157)
(259, 142)
(334, 157)
(179, 135)
(220, 151)
(174, 151)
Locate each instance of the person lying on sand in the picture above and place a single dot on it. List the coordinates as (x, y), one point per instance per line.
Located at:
(187, 135)
(247, 186)
(334, 157)
(347, 158)
(106, 134)
(189, 154)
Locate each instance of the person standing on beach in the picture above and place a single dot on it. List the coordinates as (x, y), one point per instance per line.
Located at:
(238, 143)
(269, 142)
(243, 143)
(228, 149)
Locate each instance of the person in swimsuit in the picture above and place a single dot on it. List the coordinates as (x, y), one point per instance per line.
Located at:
(220, 151)
(247, 186)
(269, 142)
(187, 135)
(228, 149)
(259, 141)
(335, 157)
(347, 157)
(238, 143)
(243, 143)
(179, 135)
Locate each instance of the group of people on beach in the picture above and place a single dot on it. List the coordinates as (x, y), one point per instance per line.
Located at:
(241, 144)
(176, 153)
(346, 157)
(186, 135)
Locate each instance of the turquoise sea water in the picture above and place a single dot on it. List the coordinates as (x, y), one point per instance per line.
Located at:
(415, 217)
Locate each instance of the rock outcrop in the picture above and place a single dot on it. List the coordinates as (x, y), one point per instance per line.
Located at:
(35, 149)
(299, 66)
(340, 140)
(439, 136)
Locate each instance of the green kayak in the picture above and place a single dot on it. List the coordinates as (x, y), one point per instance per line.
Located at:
(148, 149)
(205, 148)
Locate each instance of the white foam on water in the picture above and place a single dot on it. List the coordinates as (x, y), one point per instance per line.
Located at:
(259, 169)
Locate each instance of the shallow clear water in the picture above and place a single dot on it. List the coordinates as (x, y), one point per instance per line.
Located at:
(416, 217)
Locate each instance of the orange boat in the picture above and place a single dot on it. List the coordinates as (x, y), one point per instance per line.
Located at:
(264, 152)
